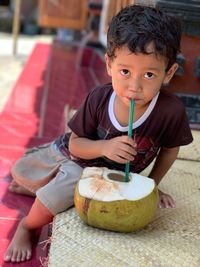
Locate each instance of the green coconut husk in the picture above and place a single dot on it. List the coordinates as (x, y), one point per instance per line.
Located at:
(120, 216)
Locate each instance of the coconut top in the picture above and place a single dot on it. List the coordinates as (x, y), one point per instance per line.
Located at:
(96, 184)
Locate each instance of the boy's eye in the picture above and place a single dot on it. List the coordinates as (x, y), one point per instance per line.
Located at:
(149, 75)
(125, 72)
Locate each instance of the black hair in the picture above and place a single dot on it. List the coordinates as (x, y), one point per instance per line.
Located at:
(137, 26)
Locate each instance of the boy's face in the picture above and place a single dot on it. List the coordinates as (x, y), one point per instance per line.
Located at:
(138, 76)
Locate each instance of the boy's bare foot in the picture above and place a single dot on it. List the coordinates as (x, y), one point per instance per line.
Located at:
(14, 187)
(20, 248)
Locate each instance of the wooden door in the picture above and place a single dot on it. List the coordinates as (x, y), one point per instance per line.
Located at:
(70, 14)
(110, 8)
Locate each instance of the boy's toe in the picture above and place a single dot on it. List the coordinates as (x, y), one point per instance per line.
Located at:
(28, 255)
(18, 256)
(23, 256)
(8, 256)
(14, 256)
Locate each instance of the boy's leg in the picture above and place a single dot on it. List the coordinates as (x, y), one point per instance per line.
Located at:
(35, 169)
(53, 198)
(18, 189)
(20, 248)
(56, 194)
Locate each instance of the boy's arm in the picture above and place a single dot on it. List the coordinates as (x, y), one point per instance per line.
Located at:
(120, 149)
(164, 161)
(85, 148)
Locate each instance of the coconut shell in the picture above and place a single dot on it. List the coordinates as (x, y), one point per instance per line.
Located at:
(118, 215)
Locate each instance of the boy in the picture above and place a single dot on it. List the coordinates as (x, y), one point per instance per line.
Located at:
(141, 56)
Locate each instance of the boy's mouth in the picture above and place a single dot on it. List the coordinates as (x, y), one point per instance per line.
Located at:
(134, 98)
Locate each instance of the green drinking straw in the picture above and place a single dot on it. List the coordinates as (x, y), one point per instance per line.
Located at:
(130, 125)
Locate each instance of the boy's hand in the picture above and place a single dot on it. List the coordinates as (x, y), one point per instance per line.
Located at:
(165, 200)
(120, 149)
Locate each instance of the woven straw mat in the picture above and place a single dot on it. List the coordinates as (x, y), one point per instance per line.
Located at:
(172, 239)
(191, 151)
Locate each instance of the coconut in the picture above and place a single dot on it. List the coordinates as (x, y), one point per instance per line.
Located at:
(103, 200)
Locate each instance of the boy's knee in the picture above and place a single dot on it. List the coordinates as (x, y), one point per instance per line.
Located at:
(58, 195)
(16, 171)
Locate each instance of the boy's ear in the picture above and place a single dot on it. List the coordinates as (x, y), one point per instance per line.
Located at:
(170, 73)
(108, 64)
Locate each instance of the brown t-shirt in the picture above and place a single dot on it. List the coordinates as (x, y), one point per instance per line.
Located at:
(164, 124)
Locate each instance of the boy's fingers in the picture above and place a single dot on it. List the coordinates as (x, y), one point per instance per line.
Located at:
(128, 140)
(166, 202)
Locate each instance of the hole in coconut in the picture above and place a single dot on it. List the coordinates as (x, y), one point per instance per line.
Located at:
(116, 177)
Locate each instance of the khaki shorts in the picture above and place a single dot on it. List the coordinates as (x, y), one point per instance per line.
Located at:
(45, 171)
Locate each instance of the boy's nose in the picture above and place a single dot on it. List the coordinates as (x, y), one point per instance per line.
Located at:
(135, 85)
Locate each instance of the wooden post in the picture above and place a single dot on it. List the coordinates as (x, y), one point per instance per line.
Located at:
(16, 25)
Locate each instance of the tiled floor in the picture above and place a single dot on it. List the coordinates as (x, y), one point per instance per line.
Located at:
(34, 114)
